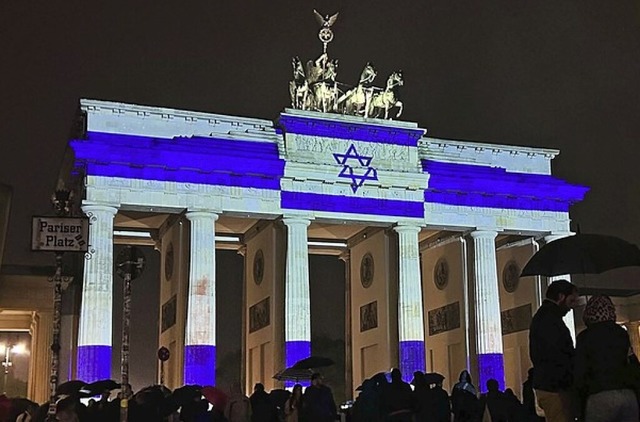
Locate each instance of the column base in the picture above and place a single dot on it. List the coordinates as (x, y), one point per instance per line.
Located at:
(293, 352)
(490, 365)
(411, 358)
(200, 365)
(94, 363)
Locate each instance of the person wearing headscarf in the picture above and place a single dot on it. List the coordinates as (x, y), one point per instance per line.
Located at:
(464, 399)
(602, 372)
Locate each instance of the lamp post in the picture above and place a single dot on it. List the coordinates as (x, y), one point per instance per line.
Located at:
(130, 263)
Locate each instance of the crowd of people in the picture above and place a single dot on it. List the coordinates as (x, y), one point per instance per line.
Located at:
(598, 380)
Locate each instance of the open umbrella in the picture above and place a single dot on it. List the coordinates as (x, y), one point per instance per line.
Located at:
(313, 362)
(99, 387)
(582, 254)
(215, 396)
(433, 378)
(294, 374)
(70, 388)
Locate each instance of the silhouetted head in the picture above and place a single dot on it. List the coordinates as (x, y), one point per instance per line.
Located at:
(492, 385)
(599, 308)
(396, 375)
(564, 294)
(316, 378)
(258, 387)
(465, 376)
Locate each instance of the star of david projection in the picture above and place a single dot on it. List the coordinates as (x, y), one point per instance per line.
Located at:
(357, 180)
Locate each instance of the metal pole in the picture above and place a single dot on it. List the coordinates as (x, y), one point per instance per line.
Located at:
(124, 362)
(161, 372)
(55, 345)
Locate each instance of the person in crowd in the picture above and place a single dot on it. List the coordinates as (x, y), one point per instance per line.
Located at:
(366, 407)
(602, 368)
(318, 402)
(262, 410)
(493, 404)
(515, 410)
(293, 405)
(464, 399)
(238, 407)
(399, 399)
(431, 401)
(552, 353)
(529, 405)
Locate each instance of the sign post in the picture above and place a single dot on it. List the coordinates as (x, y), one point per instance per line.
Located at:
(58, 234)
(163, 356)
(129, 265)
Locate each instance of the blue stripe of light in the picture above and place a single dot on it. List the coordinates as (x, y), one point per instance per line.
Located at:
(345, 204)
(94, 363)
(490, 365)
(293, 352)
(192, 160)
(353, 131)
(200, 365)
(495, 187)
(411, 357)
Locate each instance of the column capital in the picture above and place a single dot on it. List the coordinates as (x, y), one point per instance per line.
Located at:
(481, 233)
(548, 238)
(202, 214)
(92, 208)
(294, 220)
(404, 228)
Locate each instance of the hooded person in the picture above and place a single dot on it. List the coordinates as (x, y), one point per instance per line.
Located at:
(603, 374)
(464, 399)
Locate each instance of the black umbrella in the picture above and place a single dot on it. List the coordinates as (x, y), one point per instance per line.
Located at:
(582, 254)
(279, 397)
(313, 362)
(70, 388)
(99, 387)
(294, 374)
(433, 378)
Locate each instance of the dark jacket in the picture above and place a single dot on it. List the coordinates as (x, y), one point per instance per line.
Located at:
(318, 403)
(602, 359)
(551, 349)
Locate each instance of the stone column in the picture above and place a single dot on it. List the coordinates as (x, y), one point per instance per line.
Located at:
(40, 365)
(633, 328)
(488, 325)
(200, 329)
(411, 350)
(297, 302)
(569, 317)
(348, 335)
(96, 309)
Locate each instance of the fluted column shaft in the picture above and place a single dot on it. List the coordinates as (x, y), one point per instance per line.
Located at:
(96, 309)
(489, 350)
(200, 327)
(568, 319)
(411, 347)
(297, 305)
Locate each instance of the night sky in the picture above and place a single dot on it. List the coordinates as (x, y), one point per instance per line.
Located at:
(555, 74)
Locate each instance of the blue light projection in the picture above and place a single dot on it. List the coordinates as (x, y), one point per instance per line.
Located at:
(94, 363)
(353, 131)
(495, 187)
(347, 171)
(293, 352)
(346, 204)
(490, 365)
(200, 365)
(412, 358)
(211, 161)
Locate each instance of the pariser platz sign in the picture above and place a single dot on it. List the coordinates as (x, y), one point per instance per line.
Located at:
(60, 234)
